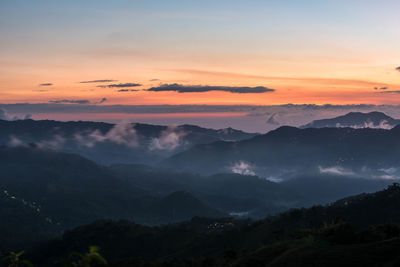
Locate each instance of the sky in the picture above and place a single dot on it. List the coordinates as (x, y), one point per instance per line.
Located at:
(187, 52)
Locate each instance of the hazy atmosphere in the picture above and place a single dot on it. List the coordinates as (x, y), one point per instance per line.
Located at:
(188, 133)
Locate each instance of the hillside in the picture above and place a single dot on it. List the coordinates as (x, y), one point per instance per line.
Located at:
(234, 193)
(354, 231)
(69, 190)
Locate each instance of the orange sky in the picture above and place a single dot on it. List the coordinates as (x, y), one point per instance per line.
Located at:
(310, 52)
(289, 89)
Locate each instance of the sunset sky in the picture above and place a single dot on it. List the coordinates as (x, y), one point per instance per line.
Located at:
(309, 51)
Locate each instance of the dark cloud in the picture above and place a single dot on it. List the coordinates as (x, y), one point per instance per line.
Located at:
(45, 84)
(42, 90)
(392, 92)
(102, 100)
(398, 68)
(154, 80)
(127, 90)
(206, 88)
(99, 81)
(120, 85)
(69, 101)
(79, 101)
(381, 88)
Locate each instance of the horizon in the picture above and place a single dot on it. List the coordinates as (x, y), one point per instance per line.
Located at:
(248, 118)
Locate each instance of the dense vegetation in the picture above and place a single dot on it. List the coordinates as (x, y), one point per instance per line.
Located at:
(357, 231)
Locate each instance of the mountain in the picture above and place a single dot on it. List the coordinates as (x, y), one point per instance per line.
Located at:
(356, 120)
(288, 152)
(22, 223)
(326, 188)
(42, 187)
(113, 143)
(234, 193)
(356, 231)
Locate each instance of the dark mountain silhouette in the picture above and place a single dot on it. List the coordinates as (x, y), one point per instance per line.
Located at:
(66, 190)
(289, 151)
(356, 120)
(110, 143)
(356, 231)
(22, 224)
(251, 195)
(326, 188)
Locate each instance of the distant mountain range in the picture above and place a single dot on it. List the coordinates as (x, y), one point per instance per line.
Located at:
(356, 120)
(289, 151)
(113, 143)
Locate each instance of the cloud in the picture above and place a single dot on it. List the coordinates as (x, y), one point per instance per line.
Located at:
(69, 101)
(398, 68)
(169, 139)
(15, 142)
(155, 80)
(120, 85)
(243, 168)
(28, 117)
(336, 170)
(382, 125)
(391, 92)
(6, 117)
(127, 90)
(381, 88)
(45, 84)
(122, 133)
(272, 120)
(41, 90)
(99, 81)
(55, 143)
(206, 88)
(102, 100)
(79, 101)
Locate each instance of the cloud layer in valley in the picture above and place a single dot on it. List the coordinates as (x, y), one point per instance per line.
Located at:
(243, 168)
(169, 139)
